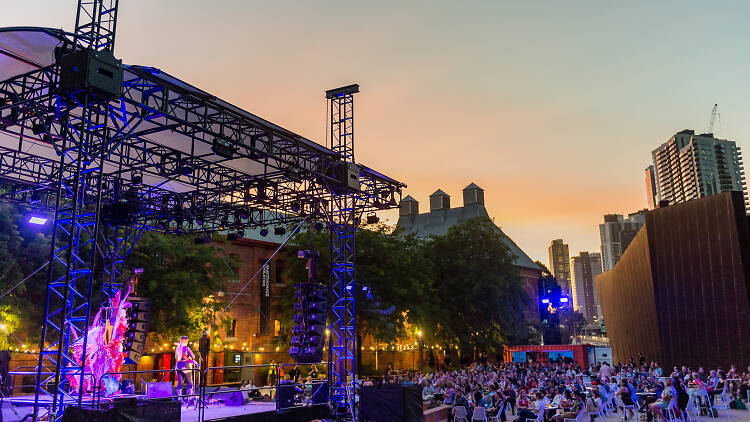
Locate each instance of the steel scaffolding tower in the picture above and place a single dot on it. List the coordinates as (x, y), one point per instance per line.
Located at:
(343, 228)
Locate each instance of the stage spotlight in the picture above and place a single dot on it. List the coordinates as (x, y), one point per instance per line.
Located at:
(231, 236)
(318, 226)
(37, 220)
(545, 300)
(372, 219)
(240, 234)
(136, 178)
(279, 230)
(264, 232)
(563, 300)
(37, 128)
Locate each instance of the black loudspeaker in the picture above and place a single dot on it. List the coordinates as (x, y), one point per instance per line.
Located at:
(135, 337)
(234, 399)
(285, 395)
(308, 334)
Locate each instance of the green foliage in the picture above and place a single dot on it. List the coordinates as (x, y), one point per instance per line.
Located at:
(10, 322)
(395, 269)
(459, 289)
(480, 296)
(179, 276)
(23, 250)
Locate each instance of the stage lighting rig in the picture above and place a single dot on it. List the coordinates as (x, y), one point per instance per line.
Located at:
(279, 230)
(264, 232)
(372, 219)
(223, 148)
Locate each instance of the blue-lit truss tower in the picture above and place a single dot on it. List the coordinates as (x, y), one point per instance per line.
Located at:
(112, 150)
(345, 214)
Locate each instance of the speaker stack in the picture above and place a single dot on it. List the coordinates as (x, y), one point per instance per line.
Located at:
(135, 337)
(308, 334)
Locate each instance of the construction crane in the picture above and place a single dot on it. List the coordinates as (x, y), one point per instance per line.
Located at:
(713, 119)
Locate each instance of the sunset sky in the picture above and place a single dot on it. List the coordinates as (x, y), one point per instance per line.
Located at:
(552, 107)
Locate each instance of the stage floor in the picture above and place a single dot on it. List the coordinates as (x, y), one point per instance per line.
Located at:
(16, 408)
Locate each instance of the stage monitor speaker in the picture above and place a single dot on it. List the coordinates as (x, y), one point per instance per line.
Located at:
(235, 399)
(320, 393)
(286, 395)
(157, 390)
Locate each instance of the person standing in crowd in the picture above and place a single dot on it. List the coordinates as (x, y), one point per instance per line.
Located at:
(294, 374)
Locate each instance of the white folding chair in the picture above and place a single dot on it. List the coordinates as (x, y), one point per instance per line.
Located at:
(672, 411)
(723, 399)
(480, 414)
(625, 408)
(691, 411)
(578, 418)
(459, 414)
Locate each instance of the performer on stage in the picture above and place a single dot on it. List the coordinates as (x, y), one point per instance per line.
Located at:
(183, 358)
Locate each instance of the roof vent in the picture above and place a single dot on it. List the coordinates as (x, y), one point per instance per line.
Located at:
(473, 194)
(440, 201)
(408, 206)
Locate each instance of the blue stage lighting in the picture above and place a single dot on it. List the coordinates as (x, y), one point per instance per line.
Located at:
(545, 300)
(564, 300)
(35, 219)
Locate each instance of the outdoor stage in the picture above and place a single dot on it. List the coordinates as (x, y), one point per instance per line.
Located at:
(16, 408)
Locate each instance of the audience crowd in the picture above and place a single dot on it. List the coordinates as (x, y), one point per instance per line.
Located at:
(555, 391)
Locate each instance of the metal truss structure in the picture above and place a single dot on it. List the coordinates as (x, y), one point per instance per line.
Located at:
(161, 155)
(343, 227)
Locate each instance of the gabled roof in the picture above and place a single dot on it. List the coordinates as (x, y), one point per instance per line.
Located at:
(439, 192)
(408, 198)
(438, 223)
(472, 186)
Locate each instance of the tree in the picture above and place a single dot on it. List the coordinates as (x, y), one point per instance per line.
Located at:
(480, 296)
(23, 250)
(179, 277)
(393, 283)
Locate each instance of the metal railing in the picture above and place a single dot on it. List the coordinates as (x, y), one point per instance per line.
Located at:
(308, 396)
(179, 395)
(305, 394)
(204, 384)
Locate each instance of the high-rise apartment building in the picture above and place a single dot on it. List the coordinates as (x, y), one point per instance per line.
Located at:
(616, 233)
(690, 166)
(651, 188)
(559, 263)
(584, 268)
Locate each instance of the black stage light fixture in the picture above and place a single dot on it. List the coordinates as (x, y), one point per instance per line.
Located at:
(240, 234)
(232, 236)
(37, 128)
(222, 148)
(264, 232)
(372, 219)
(136, 178)
(279, 230)
(318, 226)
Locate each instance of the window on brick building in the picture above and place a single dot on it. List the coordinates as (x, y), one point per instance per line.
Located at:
(232, 331)
(276, 328)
